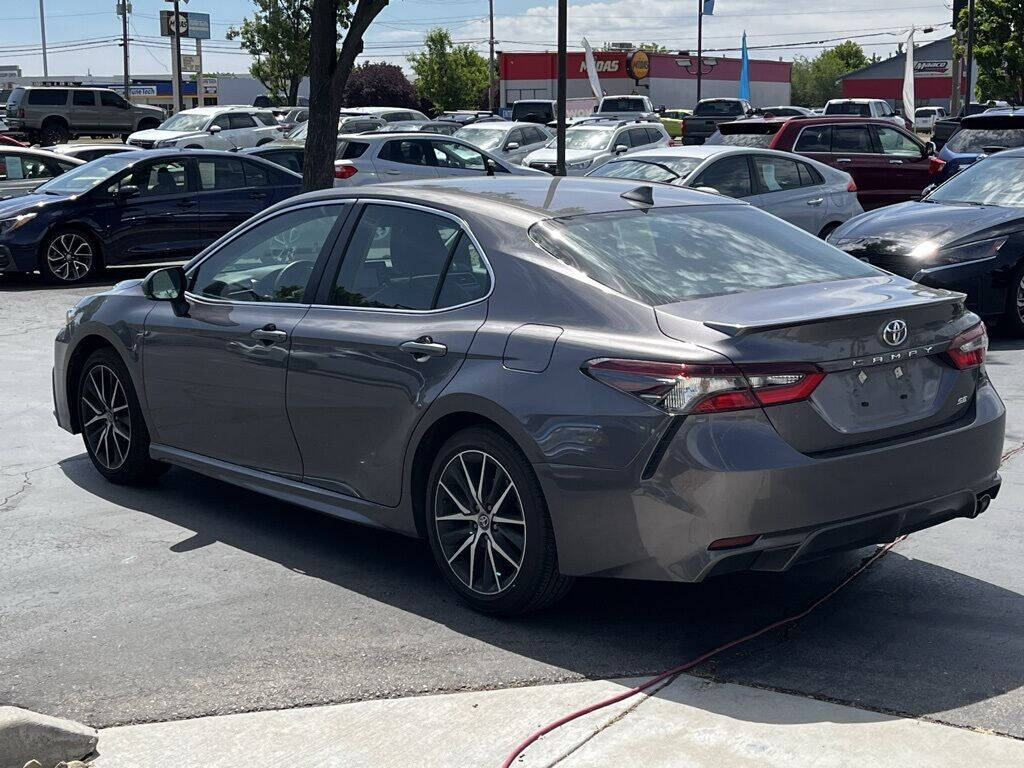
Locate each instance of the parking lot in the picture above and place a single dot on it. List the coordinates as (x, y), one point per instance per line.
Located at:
(193, 597)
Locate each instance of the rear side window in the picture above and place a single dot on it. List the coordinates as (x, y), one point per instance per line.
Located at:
(55, 97)
(286, 159)
(256, 175)
(241, 121)
(810, 176)
(723, 249)
(83, 99)
(638, 137)
(815, 139)
(220, 173)
(350, 150)
(267, 118)
(851, 138)
(776, 174)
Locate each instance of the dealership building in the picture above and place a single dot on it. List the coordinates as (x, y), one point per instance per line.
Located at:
(672, 80)
(933, 77)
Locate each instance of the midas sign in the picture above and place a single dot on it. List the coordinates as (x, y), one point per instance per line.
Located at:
(638, 65)
(603, 65)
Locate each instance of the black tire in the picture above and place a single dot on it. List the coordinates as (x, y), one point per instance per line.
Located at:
(1012, 321)
(108, 408)
(54, 133)
(493, 460)
(828, 229)
(69, 256)
(124, 138)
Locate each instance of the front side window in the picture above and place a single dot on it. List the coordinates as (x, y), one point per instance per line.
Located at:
(273, 261)
(730, 176)
(777, 173)
(451, 154)
(402, 258)
(638, 137)
(220, 173)
(111, 99)
(896, 143)
(664, 255)
(166, 177)
(407, 152)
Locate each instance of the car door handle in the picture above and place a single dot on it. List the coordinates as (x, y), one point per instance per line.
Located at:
(423, 348)
(392, 173)
(843, 160)
(895, 162)
(816, 201)
(269, 334)
(186, 203)
(257, 195)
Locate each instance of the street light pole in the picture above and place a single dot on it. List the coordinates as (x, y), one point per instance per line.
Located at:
(700, 43)
(560, 107)
(969, 96)
(176, 58)
(42, 37)
(490, 66)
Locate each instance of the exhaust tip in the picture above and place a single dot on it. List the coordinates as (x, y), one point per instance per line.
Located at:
(982, 504)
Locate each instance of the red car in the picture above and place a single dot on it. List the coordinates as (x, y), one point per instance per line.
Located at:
(888, 164)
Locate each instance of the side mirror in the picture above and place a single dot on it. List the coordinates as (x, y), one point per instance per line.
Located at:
(594, 108)
(166, 284)
(215, 129)
(511, 146)
(710, 190)
(929, 148)
(620, 148)
(128, 190)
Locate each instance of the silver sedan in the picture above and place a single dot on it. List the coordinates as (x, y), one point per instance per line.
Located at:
(804, 192)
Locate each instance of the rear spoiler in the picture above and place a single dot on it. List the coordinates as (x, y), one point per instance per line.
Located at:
(736, 330)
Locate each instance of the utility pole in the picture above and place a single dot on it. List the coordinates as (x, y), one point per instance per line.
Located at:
(42, 36)
(123, 9)
(490, 68)
(200, 93)
(176, 57)
(700, 43)
(560, 106)
(969, 95)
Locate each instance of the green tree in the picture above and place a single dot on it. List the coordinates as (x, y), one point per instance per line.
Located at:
(449, 76)
(998, 48)
(277, 37)
(815, 81)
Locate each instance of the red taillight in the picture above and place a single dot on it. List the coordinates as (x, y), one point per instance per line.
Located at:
(733, 542)
(968, 349)
(852, 186)
(699, 388)
(344, 170)
(935, 165)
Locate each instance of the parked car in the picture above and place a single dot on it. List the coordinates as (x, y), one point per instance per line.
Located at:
(54, 115)
(441, 127)
(387, 114)
(290, 155)
(157, 205)
(292, 117)
(709, 114)
(809, 194)
(925, 117)
(593, 141)
(514, 371)
(540, 111)
(369, 158)
(290, 152)
(888, 164)
(946, 127)
(630, 107)
(211, 128)
(87, 152)
(22, 169)
(785, 110)
(674, 121)
(508, 140)
(980, 134)
(876, 108)
(466, 116)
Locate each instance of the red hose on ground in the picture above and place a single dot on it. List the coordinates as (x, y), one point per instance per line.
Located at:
(693, 662)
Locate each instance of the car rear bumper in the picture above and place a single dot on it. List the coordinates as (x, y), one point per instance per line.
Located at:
(731, 475)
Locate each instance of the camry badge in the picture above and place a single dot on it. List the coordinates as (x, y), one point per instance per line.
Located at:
(894, 333)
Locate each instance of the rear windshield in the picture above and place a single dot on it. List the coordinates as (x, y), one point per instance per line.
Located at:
(976, 139)
(718, 109)
(994, 181)
(665, 255)
(849, 108)
(624, 104)
(761, 140)
(535, 110)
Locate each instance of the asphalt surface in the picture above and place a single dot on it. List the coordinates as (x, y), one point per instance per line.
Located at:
(193, 597)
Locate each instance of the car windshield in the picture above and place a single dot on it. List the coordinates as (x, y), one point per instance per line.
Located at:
(183, 121)
(762, 140)
(976, 139)
(664, 169)
(995, 181)
(848, 108)
(298, 132)
(726, 249)
(585, 138)
(84, 177)
(485, 138)
(718, 109)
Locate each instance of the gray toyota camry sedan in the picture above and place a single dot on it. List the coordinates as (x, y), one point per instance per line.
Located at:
(546, 378)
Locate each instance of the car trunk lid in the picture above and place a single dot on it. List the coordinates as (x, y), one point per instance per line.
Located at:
(874, 389)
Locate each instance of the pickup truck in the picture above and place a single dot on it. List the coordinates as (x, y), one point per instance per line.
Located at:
(943, 130)
(627, 108)
(709, 113)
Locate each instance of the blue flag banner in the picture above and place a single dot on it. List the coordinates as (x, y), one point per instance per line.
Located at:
(709, 7)
(745, 71)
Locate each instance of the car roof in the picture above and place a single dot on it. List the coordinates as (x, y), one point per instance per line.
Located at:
(12, 150)
(507, 125)
(523, 200)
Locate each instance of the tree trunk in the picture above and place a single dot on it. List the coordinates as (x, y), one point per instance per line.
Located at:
(293, 91)
(328, 73)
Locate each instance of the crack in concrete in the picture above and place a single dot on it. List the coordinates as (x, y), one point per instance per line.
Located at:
(26, 483)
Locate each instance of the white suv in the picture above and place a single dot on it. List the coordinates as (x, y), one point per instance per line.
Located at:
(211, 128)
(591, 142)
(878, 108)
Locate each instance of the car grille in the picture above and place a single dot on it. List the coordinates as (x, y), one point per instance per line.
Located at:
(898, 264)
(140, 143)
(546, 167)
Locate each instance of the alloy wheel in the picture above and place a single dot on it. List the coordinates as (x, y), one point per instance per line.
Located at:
(106, 418)
(480, 523)
(69, 257)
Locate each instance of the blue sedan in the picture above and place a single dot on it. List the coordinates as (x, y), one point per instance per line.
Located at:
(135, 207)
(980, 135)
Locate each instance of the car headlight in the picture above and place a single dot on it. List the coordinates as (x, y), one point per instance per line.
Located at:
(581, 165)
(11, 224)
(927, 251)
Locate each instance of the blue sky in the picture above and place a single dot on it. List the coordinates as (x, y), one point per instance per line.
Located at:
(82, 27)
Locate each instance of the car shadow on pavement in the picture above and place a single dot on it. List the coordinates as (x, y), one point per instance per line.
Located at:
(907, 637)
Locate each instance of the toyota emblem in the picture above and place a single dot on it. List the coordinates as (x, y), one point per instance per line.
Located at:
(894, 333)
